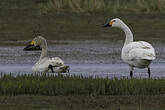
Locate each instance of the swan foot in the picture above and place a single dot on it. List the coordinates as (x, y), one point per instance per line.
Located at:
(131, 73)
(51, 68)
(149, 72)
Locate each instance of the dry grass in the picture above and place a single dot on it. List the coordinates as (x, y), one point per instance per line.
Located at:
(115, 6)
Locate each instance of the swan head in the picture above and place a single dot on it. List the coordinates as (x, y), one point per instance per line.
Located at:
(114, 23)
(35, 44)
(37, 41)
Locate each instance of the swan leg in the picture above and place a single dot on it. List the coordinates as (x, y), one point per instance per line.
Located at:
(149, 72)
(131, 72)
(51, 67)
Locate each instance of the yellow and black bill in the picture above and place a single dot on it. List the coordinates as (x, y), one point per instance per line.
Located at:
(108, 24)
(32, 47)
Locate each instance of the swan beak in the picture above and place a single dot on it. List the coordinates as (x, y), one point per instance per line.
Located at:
(32, 42)
(32, 47)
(109, 24)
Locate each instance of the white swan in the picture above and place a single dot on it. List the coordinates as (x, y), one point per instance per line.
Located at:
(137, 54)
(46, 64)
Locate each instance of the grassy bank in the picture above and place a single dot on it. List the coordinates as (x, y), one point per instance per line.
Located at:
(72, 26)
(43, 7)
(113, 6)
(50, 92)
(51, 85)
(21, 20)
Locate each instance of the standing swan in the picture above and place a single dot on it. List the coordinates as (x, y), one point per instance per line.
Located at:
(137, 54)
(46, 64)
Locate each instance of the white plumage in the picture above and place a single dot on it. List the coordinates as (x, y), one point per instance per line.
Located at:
(135, 53)
(47, 64)
(43, 64)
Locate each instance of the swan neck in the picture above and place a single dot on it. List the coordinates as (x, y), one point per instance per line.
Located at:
(44, 49)
(128, 33)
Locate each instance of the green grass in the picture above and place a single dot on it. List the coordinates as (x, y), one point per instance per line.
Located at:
(51, 85)
(50, 92)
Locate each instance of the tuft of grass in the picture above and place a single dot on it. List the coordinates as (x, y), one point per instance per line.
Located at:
(151, 5)
(53, 85)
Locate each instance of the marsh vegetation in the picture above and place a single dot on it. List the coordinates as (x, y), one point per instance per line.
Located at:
(113, 6)
(55, 85)
(36, 91)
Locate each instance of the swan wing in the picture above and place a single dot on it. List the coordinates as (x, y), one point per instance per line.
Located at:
(56, 61)
(138, 53)
(139, 44)
(140, 50)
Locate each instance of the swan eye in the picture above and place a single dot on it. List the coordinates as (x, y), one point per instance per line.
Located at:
(111, 22)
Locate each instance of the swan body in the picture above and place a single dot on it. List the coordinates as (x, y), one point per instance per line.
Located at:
(137, 54)
(42, 65)
(47, 64)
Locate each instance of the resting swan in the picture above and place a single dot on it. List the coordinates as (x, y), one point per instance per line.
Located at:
(46, 64)
(137, 54)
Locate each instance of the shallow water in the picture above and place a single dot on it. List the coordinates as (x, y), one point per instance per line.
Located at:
(89, 58)
(75, 52)
(95, 70)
